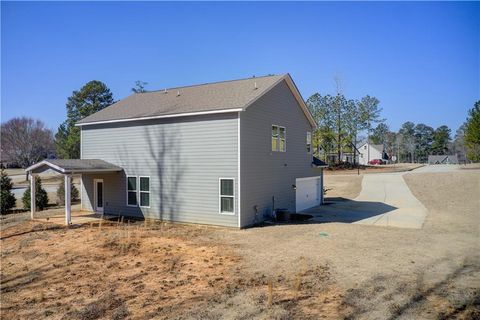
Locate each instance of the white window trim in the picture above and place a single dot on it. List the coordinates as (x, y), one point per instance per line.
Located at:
(220, 196)
(149, 192)
(278, 139)
(127, 191)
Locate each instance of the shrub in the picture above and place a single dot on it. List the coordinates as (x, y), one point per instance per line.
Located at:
(61, 192)
(7, 199)
(41, 197)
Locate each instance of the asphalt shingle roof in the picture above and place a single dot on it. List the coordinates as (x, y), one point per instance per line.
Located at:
(198, 98)
(76, 165)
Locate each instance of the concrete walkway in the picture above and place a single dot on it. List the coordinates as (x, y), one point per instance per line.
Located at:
(385, 200)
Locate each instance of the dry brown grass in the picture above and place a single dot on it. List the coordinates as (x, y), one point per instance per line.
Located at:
(155, 270)
(143, 271)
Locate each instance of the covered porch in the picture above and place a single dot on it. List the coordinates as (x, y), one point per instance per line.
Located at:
(70, 168)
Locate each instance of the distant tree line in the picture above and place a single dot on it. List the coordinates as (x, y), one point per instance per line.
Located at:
(342, 123)
(414, 142)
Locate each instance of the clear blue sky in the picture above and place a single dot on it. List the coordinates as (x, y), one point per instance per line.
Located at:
(420, 59)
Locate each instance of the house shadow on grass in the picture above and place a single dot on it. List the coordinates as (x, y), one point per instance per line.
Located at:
(347, 210)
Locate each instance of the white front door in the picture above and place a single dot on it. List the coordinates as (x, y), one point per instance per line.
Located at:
(98, 195)
(308, 193)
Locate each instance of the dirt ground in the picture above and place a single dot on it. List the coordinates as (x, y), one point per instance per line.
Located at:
(400, 167)
(345, 186)
(292, 271)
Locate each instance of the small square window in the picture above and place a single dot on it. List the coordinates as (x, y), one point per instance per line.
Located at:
(132, 183)
(227, 187)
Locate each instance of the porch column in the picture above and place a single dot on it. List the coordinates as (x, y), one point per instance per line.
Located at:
(32, 195)
(68, 188)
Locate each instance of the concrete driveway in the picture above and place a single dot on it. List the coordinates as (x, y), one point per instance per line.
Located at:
(385, 200)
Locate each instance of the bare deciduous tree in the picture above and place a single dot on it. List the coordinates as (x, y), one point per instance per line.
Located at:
(26, 141)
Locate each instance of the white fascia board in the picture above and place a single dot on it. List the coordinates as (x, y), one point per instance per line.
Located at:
(46, 163)
(177, 115)
(296, 93)
(93, 171)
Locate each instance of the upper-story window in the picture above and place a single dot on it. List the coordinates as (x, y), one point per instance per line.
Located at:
(279, 138)
(309, 142)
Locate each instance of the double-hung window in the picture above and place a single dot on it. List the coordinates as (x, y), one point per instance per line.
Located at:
(227, 195)
(132, 191)
(279, 138)
(144, 191)
(309, 142)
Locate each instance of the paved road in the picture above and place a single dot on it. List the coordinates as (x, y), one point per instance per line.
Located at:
(385, 200)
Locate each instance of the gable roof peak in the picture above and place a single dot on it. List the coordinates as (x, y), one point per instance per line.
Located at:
(214, 97)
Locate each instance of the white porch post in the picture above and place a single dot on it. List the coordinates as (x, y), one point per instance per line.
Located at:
(68, 187)
(32, 195)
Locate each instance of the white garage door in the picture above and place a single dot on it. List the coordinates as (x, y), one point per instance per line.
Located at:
(308, 193)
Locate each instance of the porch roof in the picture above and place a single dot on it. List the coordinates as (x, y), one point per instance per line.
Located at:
(70, 166)
(319, 163)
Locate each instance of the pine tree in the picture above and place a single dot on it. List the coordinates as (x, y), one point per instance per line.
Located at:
(472, 133)
(7, 199)
(41, 197)
(92, 97)
(61, 193)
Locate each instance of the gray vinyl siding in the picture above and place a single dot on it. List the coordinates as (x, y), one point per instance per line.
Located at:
(113, 204)
(265, 173)
(184, 157)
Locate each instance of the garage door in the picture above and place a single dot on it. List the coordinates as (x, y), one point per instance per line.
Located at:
(308, 193)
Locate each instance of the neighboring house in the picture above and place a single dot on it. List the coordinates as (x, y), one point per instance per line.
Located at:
(369, 152)
(442, 159)
(224, 153)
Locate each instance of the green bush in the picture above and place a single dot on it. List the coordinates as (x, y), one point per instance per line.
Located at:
(61, 193)
(41, 197)
(7, 199)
